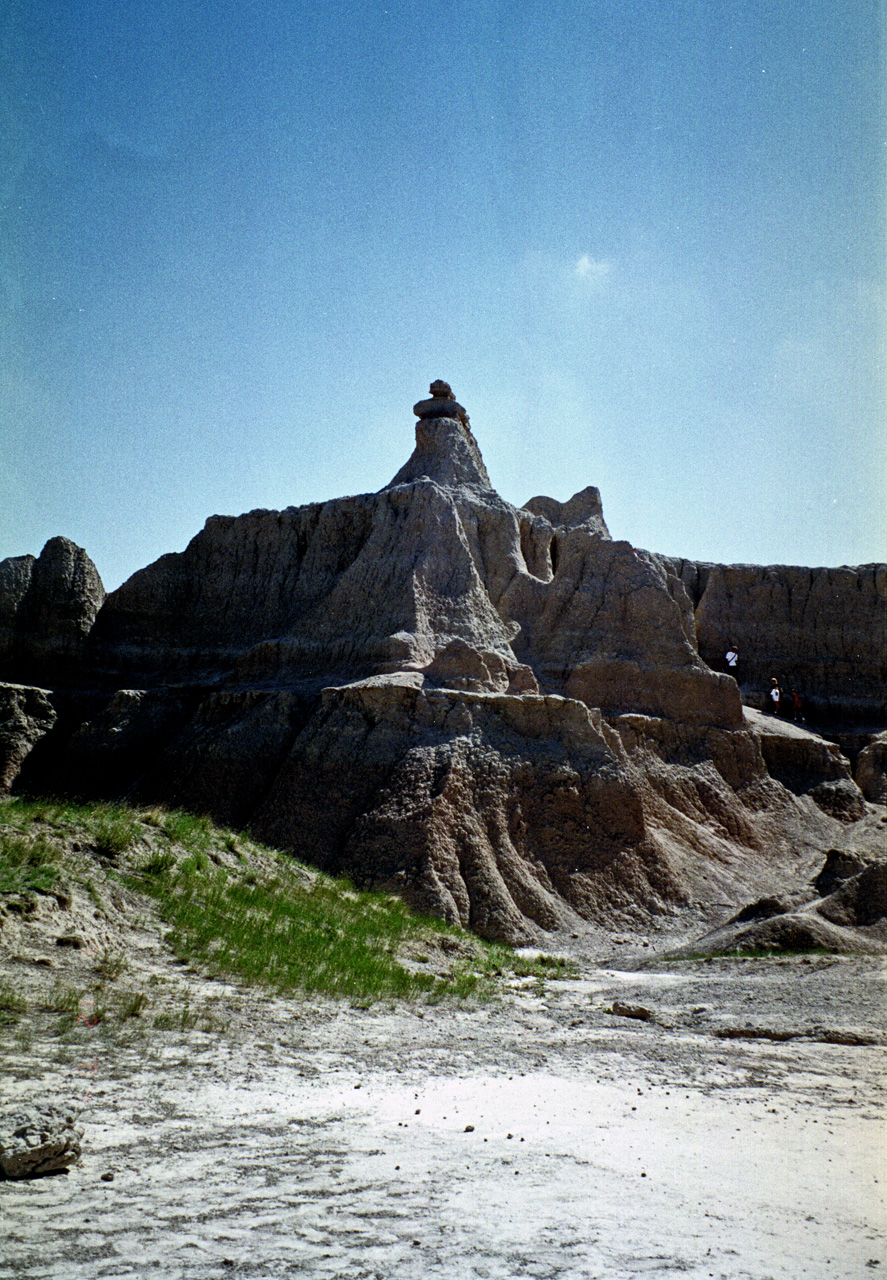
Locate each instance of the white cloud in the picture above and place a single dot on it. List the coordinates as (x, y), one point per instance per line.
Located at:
(590, 269)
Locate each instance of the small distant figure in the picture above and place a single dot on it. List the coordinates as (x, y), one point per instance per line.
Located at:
(773, 701)
(732, 660)
(797, 705)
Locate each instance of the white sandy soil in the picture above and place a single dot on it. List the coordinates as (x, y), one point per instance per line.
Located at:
(322, 1140)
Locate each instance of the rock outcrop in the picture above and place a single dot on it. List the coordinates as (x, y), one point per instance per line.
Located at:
(38, 1139)
(500, 713)
(870, 773)
(47, 609)
(584, 508)
(820, 631)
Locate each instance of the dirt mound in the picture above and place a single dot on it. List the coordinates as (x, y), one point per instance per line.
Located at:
(849, 919)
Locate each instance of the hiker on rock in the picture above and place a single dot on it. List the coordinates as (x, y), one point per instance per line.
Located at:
(732, 660)
(773, 700)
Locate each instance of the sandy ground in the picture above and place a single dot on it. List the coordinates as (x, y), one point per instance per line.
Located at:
(738, 1132)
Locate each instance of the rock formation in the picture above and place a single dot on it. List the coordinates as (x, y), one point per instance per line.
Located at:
(817, 630)
(848, 916)
(38, 1139)
(47, 609)
(500, 713)
(870, 774)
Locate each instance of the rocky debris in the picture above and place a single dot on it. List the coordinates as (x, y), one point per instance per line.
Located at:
(639, 1012)
(870, 773)
(755, 1033)
(47, 609)
(821, 631)
(38, 1139)
(584, 508)
(195, 1136)
(26, 716)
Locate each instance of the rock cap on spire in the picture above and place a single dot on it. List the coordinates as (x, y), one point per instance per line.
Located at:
(442, 404)
(445, 451)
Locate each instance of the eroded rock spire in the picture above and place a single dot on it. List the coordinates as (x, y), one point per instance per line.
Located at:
(446, 451)
(442, 404)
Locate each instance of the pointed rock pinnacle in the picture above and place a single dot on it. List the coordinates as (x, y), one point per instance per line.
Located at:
(446, 451)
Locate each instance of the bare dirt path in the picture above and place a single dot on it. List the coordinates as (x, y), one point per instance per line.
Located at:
(737, 1132)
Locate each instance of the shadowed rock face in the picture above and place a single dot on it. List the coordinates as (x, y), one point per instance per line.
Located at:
(15, 578)
(26, 716)
(821, 631)
(47, 610)
(500, 713)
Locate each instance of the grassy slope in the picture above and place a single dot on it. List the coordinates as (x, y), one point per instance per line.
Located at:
(233, 908)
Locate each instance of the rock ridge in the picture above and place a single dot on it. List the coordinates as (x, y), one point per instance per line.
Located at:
(503, 714)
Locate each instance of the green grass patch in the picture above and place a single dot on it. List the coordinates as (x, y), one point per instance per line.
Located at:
(158, 863)
(738, 954)
(131, 1004)
(236, 909)
(63, 999)
(24, 812)
(113, 832)
(110, 964)
(27, 863)
(274, 929)
(192, 833)
(12, 1003)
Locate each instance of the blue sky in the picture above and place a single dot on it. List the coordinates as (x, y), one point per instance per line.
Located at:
(645, 244)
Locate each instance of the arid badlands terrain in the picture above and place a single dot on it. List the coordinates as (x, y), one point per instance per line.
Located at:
(515, 723)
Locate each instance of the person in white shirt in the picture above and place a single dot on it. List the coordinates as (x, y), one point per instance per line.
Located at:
(774, 698)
